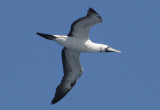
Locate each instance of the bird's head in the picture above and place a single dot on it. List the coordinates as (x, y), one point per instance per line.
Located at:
(106, 48)
(109, 49)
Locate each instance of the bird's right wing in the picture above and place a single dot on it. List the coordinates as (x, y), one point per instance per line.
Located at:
(80, 27)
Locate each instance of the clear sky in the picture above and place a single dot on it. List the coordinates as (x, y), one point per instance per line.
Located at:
(31, 66)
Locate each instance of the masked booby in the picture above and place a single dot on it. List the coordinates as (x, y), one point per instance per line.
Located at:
(74, 43)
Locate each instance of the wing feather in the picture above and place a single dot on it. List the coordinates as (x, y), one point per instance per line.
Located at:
(72, 71)
(80, 27)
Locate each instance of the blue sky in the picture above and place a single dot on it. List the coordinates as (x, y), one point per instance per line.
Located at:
(31, 67)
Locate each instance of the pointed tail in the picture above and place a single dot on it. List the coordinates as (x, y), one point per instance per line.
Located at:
(47, 36)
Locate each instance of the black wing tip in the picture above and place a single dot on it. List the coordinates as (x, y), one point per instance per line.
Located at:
(55, 99)
(59, 95)
(53, 102)
(91, 10)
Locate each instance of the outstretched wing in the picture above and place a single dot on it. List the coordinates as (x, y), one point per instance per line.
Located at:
(72, 71)
(80, 27)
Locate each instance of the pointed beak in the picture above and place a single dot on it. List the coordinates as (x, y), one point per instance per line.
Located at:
(109, 49)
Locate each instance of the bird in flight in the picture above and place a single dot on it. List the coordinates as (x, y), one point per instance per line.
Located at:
(74, 43)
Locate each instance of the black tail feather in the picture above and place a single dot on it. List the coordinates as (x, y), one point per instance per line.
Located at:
(47, 36)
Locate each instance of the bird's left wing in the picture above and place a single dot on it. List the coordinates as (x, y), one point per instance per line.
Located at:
(72, 71)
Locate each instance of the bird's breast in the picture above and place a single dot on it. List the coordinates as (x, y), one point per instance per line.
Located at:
(82, 45)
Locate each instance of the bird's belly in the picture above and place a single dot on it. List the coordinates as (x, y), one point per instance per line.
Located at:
(79, 45)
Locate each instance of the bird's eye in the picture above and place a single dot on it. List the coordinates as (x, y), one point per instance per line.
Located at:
(107, 49)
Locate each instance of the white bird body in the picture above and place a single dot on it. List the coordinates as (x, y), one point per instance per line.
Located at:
(74, 43)
(80, 44)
